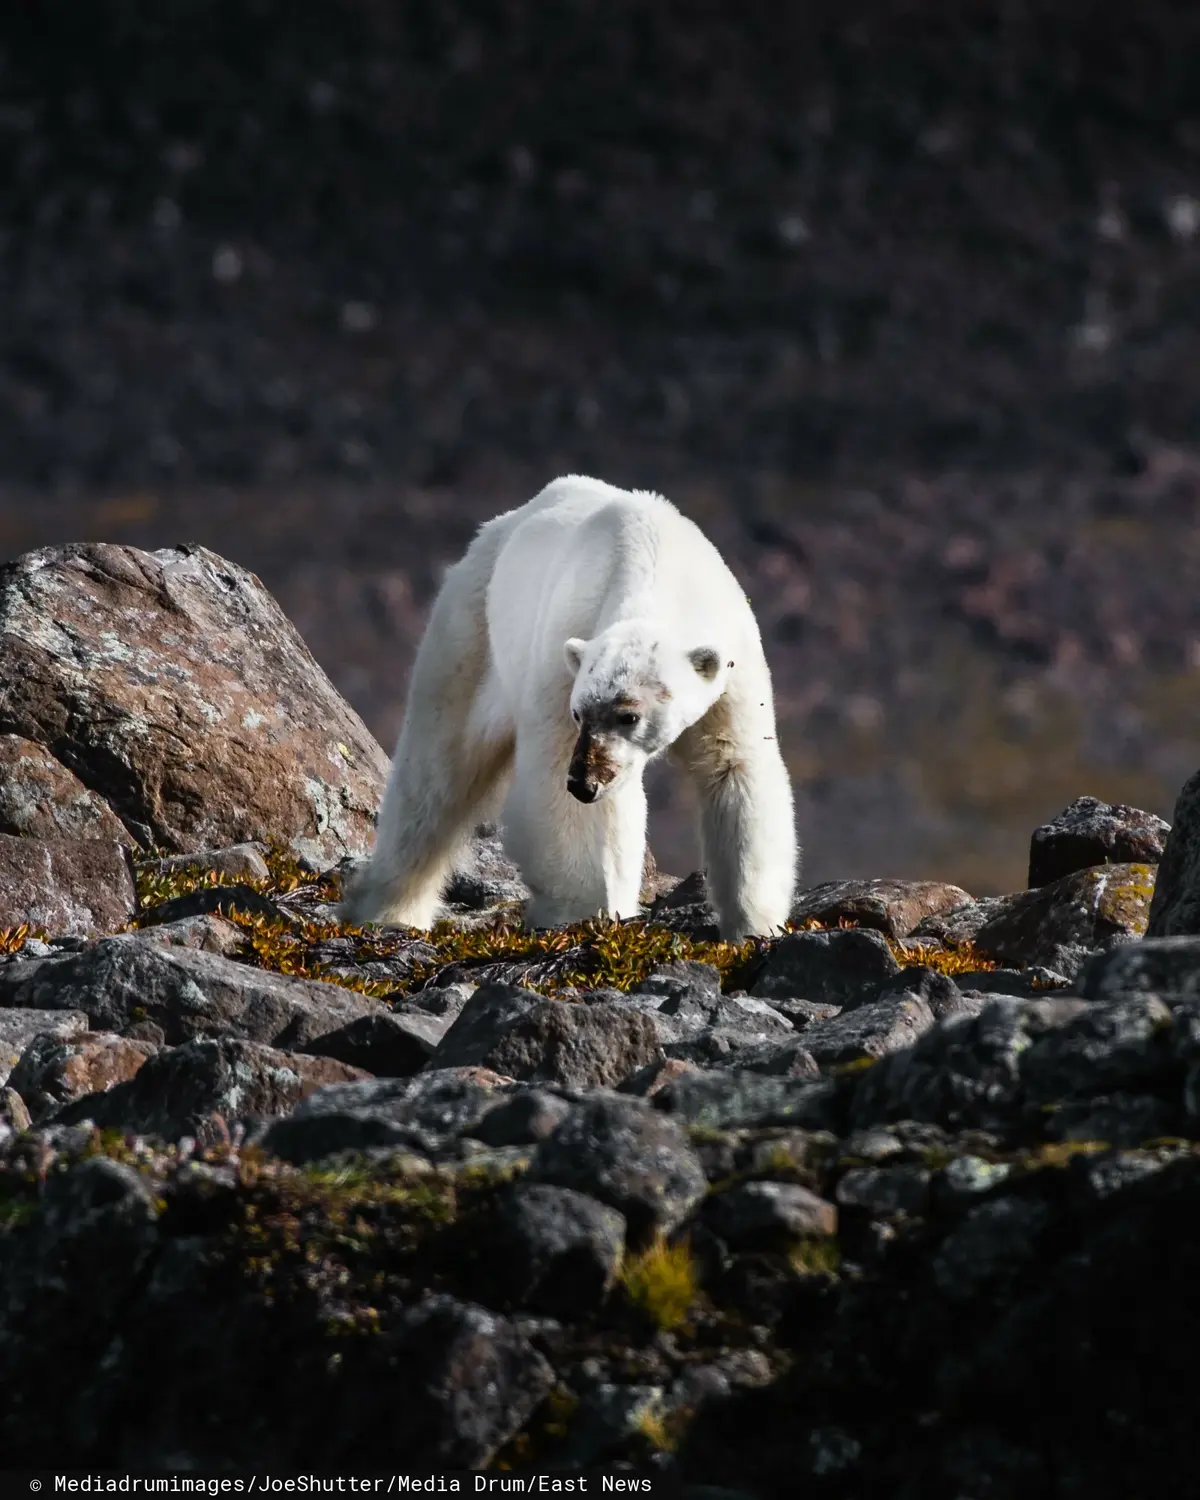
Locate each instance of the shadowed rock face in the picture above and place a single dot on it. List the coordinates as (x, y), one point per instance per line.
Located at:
(173, 687)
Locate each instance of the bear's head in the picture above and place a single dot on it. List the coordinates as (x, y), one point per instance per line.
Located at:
(636, 689)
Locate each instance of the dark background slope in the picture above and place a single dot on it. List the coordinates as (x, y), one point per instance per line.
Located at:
(901, 301)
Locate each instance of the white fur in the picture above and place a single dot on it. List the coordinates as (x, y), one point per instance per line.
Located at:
(586, 595)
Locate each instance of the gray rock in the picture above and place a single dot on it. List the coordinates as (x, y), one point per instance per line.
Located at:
(886, 1191)
(730, 1099)
(627, 1154)
(1117, 1119)
(963, 1072)
(997, 1237)
(425, 1114)
(1175, 909)
(522, 1119)
(1090, 832)
(65, 886)
(967, 1178)
(870, 1030)
(765, 1215)
(487, 877)
(1166, 966)
(463, 1382)
(19, 1026)
(552, 1249)
(938, 991)
(237, 862)
(755, 1054)
(41, 799)
(180, 1090)
(684, 984)
(529, 1036)
(213, 901)
(841, 968)
(389, 1043)
(189, 993)
(208, 934)
(1117, 1044)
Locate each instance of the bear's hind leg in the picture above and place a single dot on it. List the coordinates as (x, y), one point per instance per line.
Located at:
(451, 763)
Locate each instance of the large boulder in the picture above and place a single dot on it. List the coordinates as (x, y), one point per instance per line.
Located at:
(1090, 832)
(173, 688)
(1175, 909)
(68, 887)
(41, 799)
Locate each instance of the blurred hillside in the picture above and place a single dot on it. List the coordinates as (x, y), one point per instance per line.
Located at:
(901, 301)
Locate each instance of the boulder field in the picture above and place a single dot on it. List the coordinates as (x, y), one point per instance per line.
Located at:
(897, 1203)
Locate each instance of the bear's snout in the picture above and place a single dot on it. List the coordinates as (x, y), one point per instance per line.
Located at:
(592, 768)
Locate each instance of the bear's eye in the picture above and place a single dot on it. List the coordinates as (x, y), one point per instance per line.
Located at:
(628, 719)
(575, 715)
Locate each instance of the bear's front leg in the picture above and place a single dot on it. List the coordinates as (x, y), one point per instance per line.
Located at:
(578, 860)
(747, 820)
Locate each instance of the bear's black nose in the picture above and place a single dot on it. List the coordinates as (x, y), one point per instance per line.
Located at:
(582, 791)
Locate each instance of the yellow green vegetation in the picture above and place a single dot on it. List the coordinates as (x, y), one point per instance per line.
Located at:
(662, 1282)
(1058, 1154)
(11, 938)
(815, 1255)
(598, 953)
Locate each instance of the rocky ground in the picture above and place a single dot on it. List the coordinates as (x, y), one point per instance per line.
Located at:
(898, 301)
(899, 1202)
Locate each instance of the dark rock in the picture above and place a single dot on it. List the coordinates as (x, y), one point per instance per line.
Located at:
(426, 1113)
(18, 1027)
(178, 1091)
(487, 877)
(964, 1072)
(120, 980)
(1090, 832)
(682, 985)
(786, 1059)
(212, 901)
(551, 1249)
(629, 1155)
(1117, 1119)
(686, 908)
(885, 1191)
(766, 1215)
(463, 1381)
(72, 886)
(730, 1099)
(1119, 1044)
(528, 1036)
(389, 1043)
(1166, 966)
(960, 924)
(54, 1070)
(522, 1120)
(893, 907)
(870, 1030)
(802, 1013)
(1175, 909)
(994, 1239)
(251, 742)
(1059, 925)
(41, 799)
(833, 968)
(936, 990)
(1027, 984)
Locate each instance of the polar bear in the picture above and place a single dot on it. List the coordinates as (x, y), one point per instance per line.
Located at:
(582, 635)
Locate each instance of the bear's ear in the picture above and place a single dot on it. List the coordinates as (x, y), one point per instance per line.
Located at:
(573, 654)
(706, 661)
